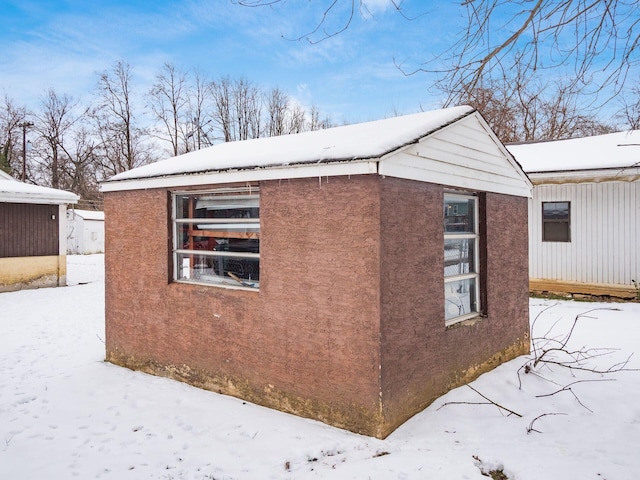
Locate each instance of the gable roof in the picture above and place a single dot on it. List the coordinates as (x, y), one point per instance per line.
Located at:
(347, 150)
(610, 151)
(15, 191)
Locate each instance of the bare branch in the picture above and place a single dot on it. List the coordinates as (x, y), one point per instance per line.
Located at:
(530, 427)
(488, 402)
(568, 388)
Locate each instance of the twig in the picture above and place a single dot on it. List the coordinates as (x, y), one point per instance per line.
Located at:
(533, 324)
(567, 388)
(488, 402)
(530, 427)
(494, 403)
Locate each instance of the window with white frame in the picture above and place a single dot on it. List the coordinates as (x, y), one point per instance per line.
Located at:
(216, 237)
(461, 257)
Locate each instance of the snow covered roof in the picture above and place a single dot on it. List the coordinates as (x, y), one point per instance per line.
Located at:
(346, 143)
(452, 146)
(88, 214)
(610, 151)
(5, 176)
(14, 191)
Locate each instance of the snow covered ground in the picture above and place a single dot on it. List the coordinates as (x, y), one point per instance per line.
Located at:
(65, 413)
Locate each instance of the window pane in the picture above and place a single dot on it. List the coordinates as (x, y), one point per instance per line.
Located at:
(460, 298)
(459, 215)
(218, 238)
(182, 206)
(459, 256)
(219, 270)
(555, 210)
(556, 232)
(217, 206)
(228, 206)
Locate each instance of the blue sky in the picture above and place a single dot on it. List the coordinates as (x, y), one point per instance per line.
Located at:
(351, 77)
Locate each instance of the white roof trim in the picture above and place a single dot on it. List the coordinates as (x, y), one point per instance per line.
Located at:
(39, 199)
(628, 174)
(273, 173)
(15, 191)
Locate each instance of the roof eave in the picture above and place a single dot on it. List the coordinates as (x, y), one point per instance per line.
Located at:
(298, 170)
(9, 197)
(596, 175)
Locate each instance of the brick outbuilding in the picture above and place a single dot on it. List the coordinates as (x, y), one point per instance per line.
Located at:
(351, 275)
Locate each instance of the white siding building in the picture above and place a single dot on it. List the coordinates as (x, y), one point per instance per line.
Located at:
(584, 218)
(85, 232)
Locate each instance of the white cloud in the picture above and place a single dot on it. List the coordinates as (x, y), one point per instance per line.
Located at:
(376, 6)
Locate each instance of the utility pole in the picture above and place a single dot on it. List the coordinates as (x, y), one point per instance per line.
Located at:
(24, 126)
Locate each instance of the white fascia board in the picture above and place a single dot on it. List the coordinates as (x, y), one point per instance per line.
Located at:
(587, 176)
(236, 176)
(38, 199)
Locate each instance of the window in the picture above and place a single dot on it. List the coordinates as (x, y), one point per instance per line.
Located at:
(216, 237)
(461, 258)
(556, 218)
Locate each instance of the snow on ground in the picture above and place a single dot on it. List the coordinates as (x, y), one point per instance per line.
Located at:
(65, 413)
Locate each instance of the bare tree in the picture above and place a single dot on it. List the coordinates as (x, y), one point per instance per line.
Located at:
(596, 43)
(592, 36)
(247, 109)
(222, 100)
(79, 168)
(168, 101)
(316, 122)
(199, 100)
(296, 119)
(237, 109)
(284, 116)
(630, 112)
(523, 109)
(65, 150)
(121, 139)
(277, 108)
(496, 105)
(11, 119)
(53, 123)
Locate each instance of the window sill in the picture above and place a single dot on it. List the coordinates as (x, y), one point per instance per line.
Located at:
(218, 285)
(464, 321)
